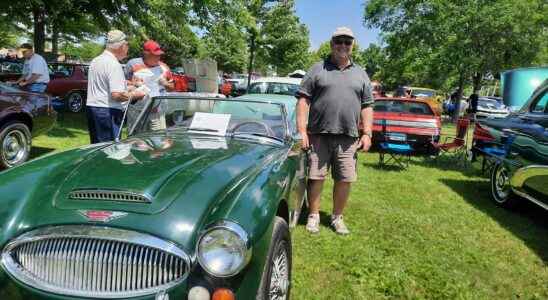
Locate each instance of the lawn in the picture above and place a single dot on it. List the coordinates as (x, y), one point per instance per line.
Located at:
(428, 232)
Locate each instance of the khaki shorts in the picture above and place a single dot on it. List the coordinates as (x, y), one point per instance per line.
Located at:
(335, 152)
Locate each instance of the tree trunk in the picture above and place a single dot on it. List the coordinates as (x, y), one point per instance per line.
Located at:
(456, 113)
(476, 80)
(39, 15)
(251, 57)
(55, 41)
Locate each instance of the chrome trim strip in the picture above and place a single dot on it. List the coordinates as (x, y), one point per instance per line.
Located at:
(530, 198)
(415, 124)
(108, 195)
(525, 173)
(78, 264)
(235, 228)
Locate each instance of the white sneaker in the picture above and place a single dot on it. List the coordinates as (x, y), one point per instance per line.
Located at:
(339, 226)
(313, 223)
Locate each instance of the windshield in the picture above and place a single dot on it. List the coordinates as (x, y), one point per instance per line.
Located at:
(490, 103)
(273, 88)
(404, 107)
(223, 117)
(423, 93)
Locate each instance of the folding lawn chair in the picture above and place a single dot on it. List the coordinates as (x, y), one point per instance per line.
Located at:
(456, 145)
(497, 152)
(395, 151)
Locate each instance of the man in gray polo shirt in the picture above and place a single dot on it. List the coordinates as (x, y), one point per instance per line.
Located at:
(335, 95)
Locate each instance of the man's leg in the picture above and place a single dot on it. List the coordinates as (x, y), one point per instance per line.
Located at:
(341, 190)
(314, 194)
(344, 173)
(318, 160)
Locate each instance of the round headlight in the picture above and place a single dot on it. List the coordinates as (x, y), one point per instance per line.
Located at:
(223, 250)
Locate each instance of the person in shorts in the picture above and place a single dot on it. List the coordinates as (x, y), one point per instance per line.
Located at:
(335, 96)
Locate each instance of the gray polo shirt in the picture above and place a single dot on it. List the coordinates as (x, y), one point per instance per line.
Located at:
(336, 97)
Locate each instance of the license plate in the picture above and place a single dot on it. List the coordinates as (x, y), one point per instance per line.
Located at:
(395, 136)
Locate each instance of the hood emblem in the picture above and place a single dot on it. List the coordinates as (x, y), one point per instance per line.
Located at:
(101, 215)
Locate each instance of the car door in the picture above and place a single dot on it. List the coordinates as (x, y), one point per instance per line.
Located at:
(531, 144)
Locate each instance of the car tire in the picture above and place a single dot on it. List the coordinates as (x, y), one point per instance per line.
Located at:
(75, 102)
(276, 278)
(15, 144)
(501, 192)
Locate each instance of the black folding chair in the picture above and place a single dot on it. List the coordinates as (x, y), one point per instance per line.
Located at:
(391, 151)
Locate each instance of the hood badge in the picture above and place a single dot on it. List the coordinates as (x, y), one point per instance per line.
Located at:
(101, 215)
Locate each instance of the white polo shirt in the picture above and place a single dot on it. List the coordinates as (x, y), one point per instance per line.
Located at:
(36, 64)
(105, 76)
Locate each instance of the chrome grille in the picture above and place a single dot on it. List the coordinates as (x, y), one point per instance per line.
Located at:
(108, 195)
(90, 261)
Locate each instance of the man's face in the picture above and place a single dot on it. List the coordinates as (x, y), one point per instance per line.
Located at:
(124, 50)
(27, 53)
(341, 46)
(151, 59)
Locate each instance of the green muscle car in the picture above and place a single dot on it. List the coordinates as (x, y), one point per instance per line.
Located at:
(196, 203)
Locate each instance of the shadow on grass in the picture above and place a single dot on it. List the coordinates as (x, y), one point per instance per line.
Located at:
(39, 151)
(528, 222)
(68, 123)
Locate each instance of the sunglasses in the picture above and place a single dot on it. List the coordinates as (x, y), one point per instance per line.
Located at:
(347, 42)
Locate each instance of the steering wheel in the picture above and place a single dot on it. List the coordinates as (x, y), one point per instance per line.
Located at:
(266, 128)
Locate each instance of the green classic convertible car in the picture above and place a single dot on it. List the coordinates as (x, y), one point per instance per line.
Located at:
(195, 204)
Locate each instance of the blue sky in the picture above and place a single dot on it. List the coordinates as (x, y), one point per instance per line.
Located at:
(323, 16)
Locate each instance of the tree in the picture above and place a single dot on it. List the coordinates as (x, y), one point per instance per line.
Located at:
(285, 39)
(433, 39)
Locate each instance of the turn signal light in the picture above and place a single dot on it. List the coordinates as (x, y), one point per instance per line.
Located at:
(223, 294)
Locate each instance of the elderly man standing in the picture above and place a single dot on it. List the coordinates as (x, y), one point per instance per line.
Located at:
(35, 75)
(335, 95)
(107, 90)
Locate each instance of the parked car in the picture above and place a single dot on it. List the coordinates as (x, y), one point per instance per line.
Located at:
(10, 70)
(491, 107)
(275, 85)
(23, 115)
(69, 82)
(427, 94)
(518, 85)
(521, 167)
(178, 210)
(413, 121)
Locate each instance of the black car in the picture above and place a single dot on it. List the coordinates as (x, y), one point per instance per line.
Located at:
(518, 146)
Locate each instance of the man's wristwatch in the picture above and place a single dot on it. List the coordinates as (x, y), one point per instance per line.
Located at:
(368, 133)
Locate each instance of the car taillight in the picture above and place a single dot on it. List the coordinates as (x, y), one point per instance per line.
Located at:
(482, 134)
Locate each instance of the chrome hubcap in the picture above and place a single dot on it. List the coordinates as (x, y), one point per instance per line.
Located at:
(502, 186)
(75, 102)
(279, 280)
(14, 147)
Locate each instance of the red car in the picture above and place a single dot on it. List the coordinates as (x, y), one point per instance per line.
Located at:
(69, 82)
(413, 121)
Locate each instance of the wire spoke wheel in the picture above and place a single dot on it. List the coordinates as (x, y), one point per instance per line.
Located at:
(279, 280)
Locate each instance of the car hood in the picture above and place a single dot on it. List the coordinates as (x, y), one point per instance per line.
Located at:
(155, 168)
(186, 178)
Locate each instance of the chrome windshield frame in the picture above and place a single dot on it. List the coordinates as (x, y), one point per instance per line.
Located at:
(144, 113)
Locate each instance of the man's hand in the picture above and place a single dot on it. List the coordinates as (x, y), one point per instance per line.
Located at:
(22, 83)
(365, 143)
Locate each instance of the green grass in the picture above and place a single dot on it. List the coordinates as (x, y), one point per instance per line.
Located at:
(428, 232)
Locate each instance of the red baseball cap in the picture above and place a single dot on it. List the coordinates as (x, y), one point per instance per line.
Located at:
(152, 47)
